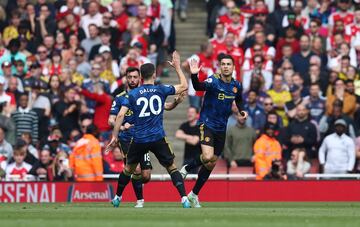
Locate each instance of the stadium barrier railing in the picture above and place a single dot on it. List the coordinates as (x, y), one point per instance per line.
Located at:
(166, 177)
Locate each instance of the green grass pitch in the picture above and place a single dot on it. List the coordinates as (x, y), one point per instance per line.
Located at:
(171, 214)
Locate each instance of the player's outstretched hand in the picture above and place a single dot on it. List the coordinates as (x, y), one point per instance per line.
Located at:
(244, 114)
(180, 97)
(194, 66)
(127, 126)
(112, 144)
(175, 62)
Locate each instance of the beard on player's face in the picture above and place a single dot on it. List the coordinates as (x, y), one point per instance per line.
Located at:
(133, 85)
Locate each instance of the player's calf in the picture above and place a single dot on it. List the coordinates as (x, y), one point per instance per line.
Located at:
(146, 176)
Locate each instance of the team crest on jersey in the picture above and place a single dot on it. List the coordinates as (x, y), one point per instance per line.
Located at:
(207, 139)
(235, 90)
(209, 80)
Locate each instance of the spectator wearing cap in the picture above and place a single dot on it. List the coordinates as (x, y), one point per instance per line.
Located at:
(67, 112)
(25, 119)
(349, 101)
(296, 99)
(8, 75)
(40, 103)
(337, 151)
(12, 56)
(110, 66)
(288, 40)
(266, 149)
(92, 17)
(260, 16)
(301, 132)
(294, 18)
(92, 40)
(105, 37)
(326, 125)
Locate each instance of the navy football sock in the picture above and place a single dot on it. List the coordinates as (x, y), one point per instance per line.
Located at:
(178, 182)
(124, 179)
(137, 185)
(203, 176)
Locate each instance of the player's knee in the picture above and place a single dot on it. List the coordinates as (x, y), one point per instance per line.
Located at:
(210, 165)
(206, 158)
(171, 168)
(146, 176)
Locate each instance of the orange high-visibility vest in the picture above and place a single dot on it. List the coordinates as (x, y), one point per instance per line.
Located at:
(86, 159)
(266, 149)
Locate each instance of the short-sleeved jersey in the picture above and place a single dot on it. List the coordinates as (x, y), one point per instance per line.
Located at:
(118, 102)
(218, 100)
(147, 103)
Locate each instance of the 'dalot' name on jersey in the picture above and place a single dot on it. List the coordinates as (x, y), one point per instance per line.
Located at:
(147, 103)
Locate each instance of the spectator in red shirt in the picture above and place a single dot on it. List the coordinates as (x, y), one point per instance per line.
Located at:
(289, 39)
(114, 161)
(120, 15)
(102, 108)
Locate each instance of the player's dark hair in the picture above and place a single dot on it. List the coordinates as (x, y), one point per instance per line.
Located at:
(132, 69)
(147, 70)
(226, 56)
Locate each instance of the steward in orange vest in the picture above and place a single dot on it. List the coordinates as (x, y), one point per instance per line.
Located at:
(266, 149)
(86, 159)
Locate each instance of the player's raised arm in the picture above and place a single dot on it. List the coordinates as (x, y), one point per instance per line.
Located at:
(194, 70)
(117, 127)
(183, 86)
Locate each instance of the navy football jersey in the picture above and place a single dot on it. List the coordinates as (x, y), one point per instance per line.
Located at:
(118, 102)
(218, 100)
(147, 103)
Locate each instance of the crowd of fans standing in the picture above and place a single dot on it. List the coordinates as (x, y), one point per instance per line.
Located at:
(62, 62)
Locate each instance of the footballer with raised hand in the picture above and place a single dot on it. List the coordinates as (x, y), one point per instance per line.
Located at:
(147, 104)
(142, 173)
(221, 90)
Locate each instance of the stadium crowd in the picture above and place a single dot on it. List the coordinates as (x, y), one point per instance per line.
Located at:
(62, 63)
